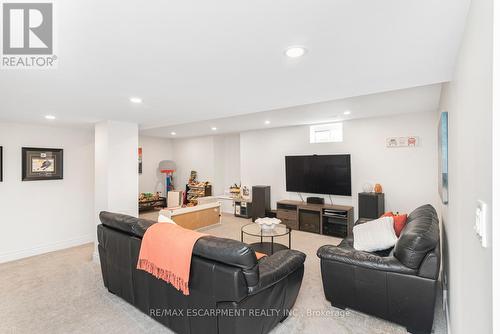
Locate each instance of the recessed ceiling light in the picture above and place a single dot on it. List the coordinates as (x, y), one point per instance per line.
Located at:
(135, 100)
(347, 112)
(214, 128)
(295, 51)
(267, 122)
(51, 117)
(173, 133)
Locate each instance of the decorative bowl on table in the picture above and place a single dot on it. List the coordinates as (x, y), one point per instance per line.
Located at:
(267, 224)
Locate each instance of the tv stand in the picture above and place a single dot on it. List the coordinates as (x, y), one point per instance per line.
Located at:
(328, 219)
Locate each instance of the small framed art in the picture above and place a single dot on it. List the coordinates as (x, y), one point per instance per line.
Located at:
(42, 164)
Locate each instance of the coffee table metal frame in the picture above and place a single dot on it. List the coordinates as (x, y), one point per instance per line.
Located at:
(263, 246)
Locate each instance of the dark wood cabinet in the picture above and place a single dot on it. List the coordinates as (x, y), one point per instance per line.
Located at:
(309, 220)
(291, 223)
(371, 205)
(288, 215)
(243, 209)
(334, 220)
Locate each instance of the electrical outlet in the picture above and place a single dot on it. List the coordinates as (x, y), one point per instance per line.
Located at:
(480, 223)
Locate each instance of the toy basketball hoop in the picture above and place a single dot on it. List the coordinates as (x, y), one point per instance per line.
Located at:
(167, 167)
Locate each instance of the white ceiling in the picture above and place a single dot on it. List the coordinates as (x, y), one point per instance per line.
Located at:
(196, 60)
(419, 99)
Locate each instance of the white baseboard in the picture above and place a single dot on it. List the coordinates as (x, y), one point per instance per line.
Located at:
(46, 248)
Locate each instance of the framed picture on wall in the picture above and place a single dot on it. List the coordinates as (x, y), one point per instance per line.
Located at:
(443, 157)
(42, 164)
(1, 163)
(140, 160)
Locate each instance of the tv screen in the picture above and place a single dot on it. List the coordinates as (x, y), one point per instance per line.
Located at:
(319, 174)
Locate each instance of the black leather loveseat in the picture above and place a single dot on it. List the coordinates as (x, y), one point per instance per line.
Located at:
(399, 287)
(230, 291)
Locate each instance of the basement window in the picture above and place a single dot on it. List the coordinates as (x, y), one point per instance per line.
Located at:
(326, 133)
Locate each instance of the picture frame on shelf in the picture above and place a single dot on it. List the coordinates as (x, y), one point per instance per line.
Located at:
(246, 192)
(42, 164)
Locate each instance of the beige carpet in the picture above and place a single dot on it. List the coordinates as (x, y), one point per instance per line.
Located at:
(62, 292)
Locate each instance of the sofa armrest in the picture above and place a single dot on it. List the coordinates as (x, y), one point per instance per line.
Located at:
(276, 267)
(362, 259)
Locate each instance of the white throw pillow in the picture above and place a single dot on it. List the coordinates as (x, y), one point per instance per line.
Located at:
(375, 235)
(165, 219)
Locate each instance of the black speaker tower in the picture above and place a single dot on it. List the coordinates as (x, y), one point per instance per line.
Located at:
(261, 201)
(370, 205)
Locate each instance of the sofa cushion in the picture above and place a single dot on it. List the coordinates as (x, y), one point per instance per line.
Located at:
(348, 243)
(375, 235)
(420, 235)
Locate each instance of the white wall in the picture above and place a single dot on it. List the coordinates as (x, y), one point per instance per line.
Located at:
(42, 216)
(116, 168)
(227, 166)
(468, 99)
(193, 154)
(408, 175)
(215, 158)
(227, 162)
(154, 150)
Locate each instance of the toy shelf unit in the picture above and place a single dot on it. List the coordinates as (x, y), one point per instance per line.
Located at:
(149, 201)
(197, 190)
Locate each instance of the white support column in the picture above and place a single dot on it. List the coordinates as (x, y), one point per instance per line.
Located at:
(116, 174)
(495, 238)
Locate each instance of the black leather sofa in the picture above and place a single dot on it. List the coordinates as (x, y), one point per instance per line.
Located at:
(230, 291)
(399, 286)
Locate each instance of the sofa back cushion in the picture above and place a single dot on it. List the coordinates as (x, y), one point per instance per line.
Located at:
(227, 251)
(125, 223)
(230, 252)
(419, 237)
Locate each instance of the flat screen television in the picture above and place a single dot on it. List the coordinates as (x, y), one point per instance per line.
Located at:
(319, 174)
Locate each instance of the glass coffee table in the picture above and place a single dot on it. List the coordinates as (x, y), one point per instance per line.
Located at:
(267, 247)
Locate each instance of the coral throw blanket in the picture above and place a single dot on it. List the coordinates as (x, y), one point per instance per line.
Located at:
(166, 252)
